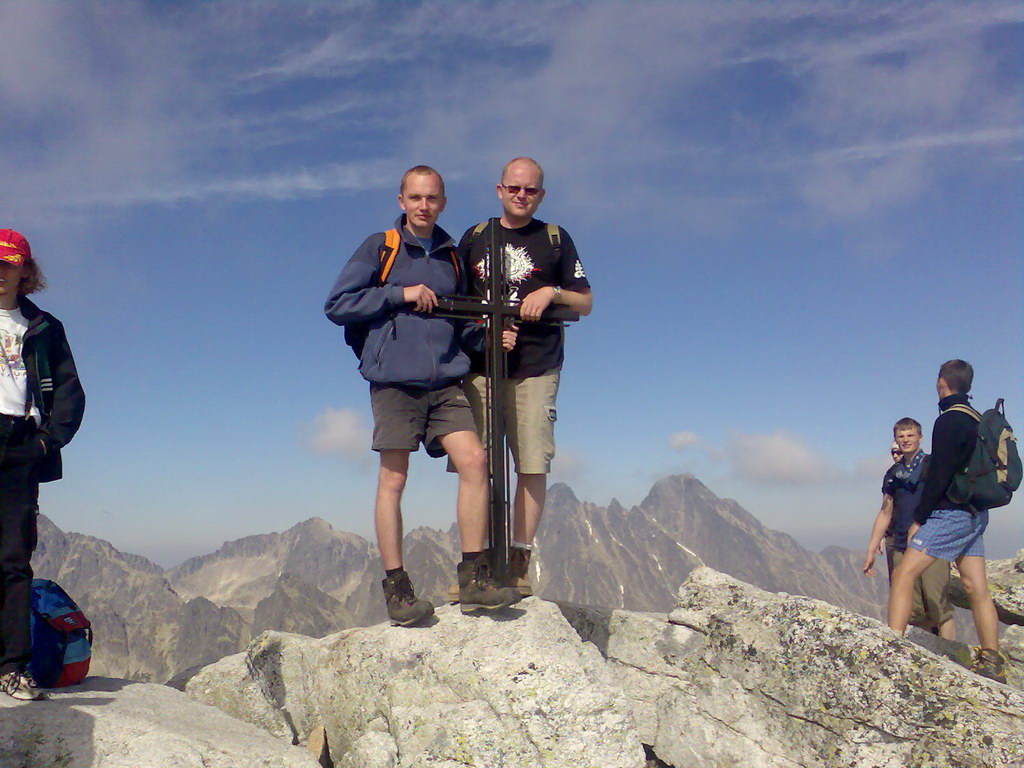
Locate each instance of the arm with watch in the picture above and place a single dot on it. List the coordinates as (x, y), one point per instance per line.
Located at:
(537, 301)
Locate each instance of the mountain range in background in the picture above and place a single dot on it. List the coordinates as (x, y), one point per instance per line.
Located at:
(158, 625)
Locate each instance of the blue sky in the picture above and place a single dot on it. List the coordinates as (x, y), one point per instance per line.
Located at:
(791, 213)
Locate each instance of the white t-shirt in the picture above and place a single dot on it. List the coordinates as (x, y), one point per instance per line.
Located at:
(13, 378)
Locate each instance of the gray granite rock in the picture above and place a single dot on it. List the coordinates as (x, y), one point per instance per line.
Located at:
(741, 677)
(514, 689)
(120, 724)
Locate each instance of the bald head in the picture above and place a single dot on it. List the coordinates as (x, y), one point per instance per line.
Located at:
(523, 162)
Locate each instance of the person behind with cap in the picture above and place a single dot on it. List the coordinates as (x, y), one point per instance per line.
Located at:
(41, 407)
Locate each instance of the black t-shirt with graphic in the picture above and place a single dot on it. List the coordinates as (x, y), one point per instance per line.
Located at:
(530, 263)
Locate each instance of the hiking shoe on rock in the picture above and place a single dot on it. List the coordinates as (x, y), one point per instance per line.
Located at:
(20, 685)
(519, 571)
(988, 663)
(404, 608)
(478, 589)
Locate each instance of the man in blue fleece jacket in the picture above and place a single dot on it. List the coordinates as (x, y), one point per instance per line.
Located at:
(414, 363)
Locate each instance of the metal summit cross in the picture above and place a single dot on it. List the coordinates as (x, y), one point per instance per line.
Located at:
(496, 310)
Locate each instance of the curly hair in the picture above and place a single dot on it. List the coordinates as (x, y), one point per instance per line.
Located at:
(32, 279)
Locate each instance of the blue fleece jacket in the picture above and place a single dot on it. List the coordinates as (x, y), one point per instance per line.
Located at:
(403, 346)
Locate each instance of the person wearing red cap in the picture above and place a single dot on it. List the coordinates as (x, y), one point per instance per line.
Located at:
(41, 407)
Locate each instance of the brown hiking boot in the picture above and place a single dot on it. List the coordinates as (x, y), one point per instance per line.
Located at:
(404, 608)
(988, 663)
(478, 589)
(519, 571)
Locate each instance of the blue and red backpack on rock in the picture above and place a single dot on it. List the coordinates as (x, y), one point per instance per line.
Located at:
(61, 637)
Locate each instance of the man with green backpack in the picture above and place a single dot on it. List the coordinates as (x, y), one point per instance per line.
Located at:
(974, 467)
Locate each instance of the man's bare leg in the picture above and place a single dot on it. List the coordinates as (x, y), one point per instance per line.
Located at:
(947, 630)
(986, 620)
(478, 590)
(470, 461)
(901, 588)
(387, 513)
(528, 506)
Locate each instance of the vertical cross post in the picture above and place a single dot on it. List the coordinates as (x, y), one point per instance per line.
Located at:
(496, 310)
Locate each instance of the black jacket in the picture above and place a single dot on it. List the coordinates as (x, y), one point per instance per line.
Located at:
(53, 384)
(953, 439)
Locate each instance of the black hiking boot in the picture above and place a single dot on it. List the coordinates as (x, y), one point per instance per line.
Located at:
(404, 608)
(988, 663)
(478, 589)
(519, 571)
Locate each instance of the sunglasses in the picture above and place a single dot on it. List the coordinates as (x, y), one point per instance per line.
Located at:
(515, 189)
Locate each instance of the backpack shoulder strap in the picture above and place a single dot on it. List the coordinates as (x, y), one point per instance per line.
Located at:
(392, 240)
(965, 409)
(556, 239)
(477, 231)
(454, 256)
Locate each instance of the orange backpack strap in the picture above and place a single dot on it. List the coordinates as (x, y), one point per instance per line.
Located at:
(387, 253)
(455, 263)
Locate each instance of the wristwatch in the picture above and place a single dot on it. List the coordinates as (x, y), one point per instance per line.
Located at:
(557, 294)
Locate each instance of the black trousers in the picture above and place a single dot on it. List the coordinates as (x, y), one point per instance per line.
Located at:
(19, 504)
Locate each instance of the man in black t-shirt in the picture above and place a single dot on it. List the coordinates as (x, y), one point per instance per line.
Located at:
(541, 268)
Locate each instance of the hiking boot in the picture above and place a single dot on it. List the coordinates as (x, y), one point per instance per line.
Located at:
(404, 608)
(478, 589)
(519, 571)
(20, 685)
(988, 663)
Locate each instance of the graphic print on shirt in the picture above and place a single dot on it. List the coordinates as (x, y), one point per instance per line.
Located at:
(578, 271)
(518, 267)
(11, 362)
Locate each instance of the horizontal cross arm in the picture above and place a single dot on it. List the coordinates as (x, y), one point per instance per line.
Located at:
(463, 306)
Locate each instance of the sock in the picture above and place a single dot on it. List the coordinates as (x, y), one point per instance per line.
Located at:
(392, 571)
(469, 557)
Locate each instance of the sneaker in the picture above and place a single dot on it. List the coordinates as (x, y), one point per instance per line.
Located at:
(988, 663)
(479, 589)
(519, 571)
(404, 608)
(20, 685)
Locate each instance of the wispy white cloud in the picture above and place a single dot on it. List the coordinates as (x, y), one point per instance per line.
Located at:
(872, 469)
(134, 105)
(568, 466)
(340, 431)
(272, 186)
(778, 458)
(680, 441)
(924, 143)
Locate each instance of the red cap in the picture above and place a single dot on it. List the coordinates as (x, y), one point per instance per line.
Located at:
(14, 247)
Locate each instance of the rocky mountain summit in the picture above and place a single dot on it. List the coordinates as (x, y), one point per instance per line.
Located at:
(732, 676)
(153, 625)
(123, 724)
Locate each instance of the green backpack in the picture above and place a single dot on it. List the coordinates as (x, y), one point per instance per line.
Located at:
(994, 470)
